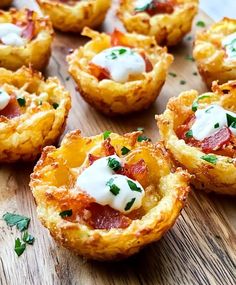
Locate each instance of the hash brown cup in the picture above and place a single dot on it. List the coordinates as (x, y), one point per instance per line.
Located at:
(5, 3)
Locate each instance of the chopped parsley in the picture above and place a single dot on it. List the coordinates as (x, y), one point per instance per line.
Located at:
(124, 150)
(210, 158)
(209, 109)
(21, 222)
(172, 74)
(231, 121)
(145, 7)
(27, 238)
(133, 186)
(189, 38)
(115, 190)
(182, 82)
(201, 24)
(21, 101)
(189, 57)
(66, 213)
(55, 105)
(114, 164)
(19, 247)
(115, 53)
(67, 78)
(195, 73)
(143, 138)
(216, 125)
(196, 101)
(140, 129)
(106, 134)
(129, 204)
(189, 134)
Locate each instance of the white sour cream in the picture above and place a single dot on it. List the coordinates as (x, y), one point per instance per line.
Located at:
(141, 4)
(10, 34)
(121, 62)
(94, 181)
(210, 120)
(4, 99)
(229, 43)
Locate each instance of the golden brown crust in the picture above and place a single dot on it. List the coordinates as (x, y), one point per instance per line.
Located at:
(5, 3)
(54, 173)
(23, 137)
(126, 97)
(210, 55)
(74, 18)
(168, 29)
(221, 177)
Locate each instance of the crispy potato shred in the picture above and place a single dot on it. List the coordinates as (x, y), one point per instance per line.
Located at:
(219, 176)
(39, 35)
(35, 116)
(100, 232)
(210, 55)
(168, 22)
(108, 96)
(74, 15)
(5, 3)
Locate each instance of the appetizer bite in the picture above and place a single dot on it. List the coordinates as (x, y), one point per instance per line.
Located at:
(105, 197)
(200, 132)
(168, 20)
(32, 113)
(25, 38)
(5, 3)
(215, 52)
(119, 73)
(74, 15)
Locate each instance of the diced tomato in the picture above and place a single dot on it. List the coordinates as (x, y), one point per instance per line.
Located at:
(217, 140)
(92, 158)
(99, 72)
(12, 109)
(104, 217)
(119, 39)
(148, 63)
(108, 148)
(157, 7)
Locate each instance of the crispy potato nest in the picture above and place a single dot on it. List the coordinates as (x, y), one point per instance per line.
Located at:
(74, 15)
(210, 56)
(37, 50)
(40, 117)
(53, 186)
(168, 29)
(219, 177)
(5, 3)
(108, 96)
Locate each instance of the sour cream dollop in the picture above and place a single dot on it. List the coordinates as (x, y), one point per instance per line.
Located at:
(121, 62)
(211, 119)
(11, 34)
(4, 99)
(229, 43)
(142, 4)
(100, 182)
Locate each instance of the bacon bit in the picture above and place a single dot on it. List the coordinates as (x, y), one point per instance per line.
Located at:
(157, 7)
(92, 158)
(186, 126)
(12, 109)
(28, 32)
(217, 140)
(108, 148)
(99, 72)
(148, 63)
(104, 217)
(119, 39)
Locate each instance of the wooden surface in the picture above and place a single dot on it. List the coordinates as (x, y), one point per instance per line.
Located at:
(199, 249)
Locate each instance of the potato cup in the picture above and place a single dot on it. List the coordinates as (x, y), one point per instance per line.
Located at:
(199, 131)
(74, 15)
(25, 38)
(138, 68)
(33, 112)
(168, 21)
(98, 231)
(215, 52)
(5, 3)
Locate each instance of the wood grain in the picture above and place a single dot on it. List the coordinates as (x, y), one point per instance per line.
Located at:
(200, 249)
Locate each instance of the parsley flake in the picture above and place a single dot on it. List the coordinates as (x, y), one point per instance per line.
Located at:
(216, 125)
(210, 158)
(196, 102)
(124, 150)
(106, 134)
(172, 74)
(55, 105)
(66, 213)
(189, 134)
(195, 73)
(21, 222)
(182, 82)
(28, 238)
(189, 57)
(231, 121)
(129, 204)
(115, 190)
(21, 101)
(201, 24)
(133, 186)
(114, 164)
(19, 247)
(143, 138)
(140, 129)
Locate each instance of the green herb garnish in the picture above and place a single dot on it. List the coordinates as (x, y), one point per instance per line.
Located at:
(129, 204)
(143, 138)
(67, 78)
(19, 247)
(172, 74)
(182, 82)
(189, 38)
(106, 134)
(231, 121)
(115, 190)
(140, 129)
(124, 150)
(28, 238)
(201, 24)
(189, 57)
(195, 73)
(216, 125)
(66, 213)
(55, 105)
(145, 7)
(114, 164)
(195, 102)
(133, 186)
(21, 222)
(122, 50)
(21, 101)
(210, 158)
(189, 134)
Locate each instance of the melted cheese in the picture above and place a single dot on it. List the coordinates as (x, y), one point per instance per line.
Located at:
(209, 120)
(142, 4)
(4, 99)
(10, 34)
(229, 43)
(94, 181)
(121, 62)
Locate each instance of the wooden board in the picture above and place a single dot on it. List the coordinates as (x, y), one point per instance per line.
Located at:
(199, 249)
